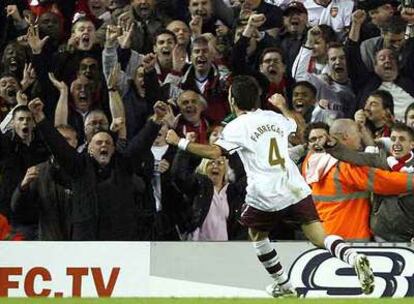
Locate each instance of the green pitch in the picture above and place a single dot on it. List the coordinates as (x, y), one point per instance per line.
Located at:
(206, 301)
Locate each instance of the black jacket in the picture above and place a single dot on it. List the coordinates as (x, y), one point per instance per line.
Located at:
(51, 195)
(198, 191)
(164, 222)
(105, 199)
(15, 159)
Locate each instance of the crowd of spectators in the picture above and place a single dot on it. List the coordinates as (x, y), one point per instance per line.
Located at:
(89, 89)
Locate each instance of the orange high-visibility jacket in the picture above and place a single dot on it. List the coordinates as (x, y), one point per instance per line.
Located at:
(342, 196)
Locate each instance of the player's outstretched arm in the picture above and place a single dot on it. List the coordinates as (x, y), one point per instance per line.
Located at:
(205, 151)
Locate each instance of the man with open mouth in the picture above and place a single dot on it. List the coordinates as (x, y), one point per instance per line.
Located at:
(386, 75)
(203, 77)
(13, 60)
(336, 86)
(9, 86)
(21, 148)
(191, 106)
(103, 182)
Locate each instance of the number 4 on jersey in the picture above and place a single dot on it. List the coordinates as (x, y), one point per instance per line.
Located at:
(274, 155)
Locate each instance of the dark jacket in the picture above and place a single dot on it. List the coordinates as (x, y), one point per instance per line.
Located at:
(15, 159)
(162, 223)
(106, 199)
(198, 191)
(51, 195)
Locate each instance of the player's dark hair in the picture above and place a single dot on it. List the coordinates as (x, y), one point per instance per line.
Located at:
(246, 93)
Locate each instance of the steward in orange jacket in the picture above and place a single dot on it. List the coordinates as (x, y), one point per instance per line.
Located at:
(342, 191)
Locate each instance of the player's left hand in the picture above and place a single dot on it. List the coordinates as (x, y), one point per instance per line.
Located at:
(172, 138)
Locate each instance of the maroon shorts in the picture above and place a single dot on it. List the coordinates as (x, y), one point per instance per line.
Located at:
(303, 212)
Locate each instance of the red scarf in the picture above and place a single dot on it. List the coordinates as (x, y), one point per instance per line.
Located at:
(312, 65)
(401, 163)
(185, 127)
(274, 88)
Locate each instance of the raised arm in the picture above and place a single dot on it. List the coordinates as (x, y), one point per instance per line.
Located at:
(204, 151)
(62, 110)
(301, 64)
(67, 156)
(376, 180)
(116, 105)
(239, 53)
(343, 153)
(110, 58)
(278, 101)
(145, 138)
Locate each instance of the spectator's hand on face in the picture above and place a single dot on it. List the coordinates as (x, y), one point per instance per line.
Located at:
(327, 141)
(149, 62)
(389, 118)
(31, 175)
(164, 166)
(172, 138)
(191, 136)
(73, 43)
(358, 17)
(360, 118)
(196, 25)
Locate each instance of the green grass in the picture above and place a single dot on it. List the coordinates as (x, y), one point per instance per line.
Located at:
(204, 301)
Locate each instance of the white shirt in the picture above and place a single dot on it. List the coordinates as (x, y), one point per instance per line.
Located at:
(337, 14)
(158, 153)
(261, 140)
(401, 99)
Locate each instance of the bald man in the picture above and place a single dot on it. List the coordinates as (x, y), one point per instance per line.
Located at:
(342, 191)
(347, 132)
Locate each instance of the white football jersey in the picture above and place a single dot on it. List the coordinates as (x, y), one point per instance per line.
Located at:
(261, 140)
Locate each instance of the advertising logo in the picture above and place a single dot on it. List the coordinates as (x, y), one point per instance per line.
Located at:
(317, 274)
